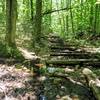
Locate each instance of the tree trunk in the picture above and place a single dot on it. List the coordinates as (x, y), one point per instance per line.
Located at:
(11, 13)
(71, 15)
(38, 20)
(31, 3)
(97, 17)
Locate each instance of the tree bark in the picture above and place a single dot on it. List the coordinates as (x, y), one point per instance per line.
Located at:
(11, 13)
(31, 3)
(38, 20)
(97, 18)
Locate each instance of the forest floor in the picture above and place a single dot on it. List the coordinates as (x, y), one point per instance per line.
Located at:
(19, 84)
(15, 83)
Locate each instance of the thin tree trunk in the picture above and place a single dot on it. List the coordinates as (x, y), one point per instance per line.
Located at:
(97, 18)
(59, 16)
(38, 20)
(31, 3)
(71, 15)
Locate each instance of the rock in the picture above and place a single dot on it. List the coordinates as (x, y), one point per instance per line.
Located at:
(69, 70)
(42, 97)
(42, 78)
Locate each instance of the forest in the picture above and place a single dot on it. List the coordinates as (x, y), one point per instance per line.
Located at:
(49, 49)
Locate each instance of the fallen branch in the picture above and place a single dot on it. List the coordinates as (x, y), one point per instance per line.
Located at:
(49, 12)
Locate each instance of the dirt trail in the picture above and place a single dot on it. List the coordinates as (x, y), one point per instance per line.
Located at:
(16, 84)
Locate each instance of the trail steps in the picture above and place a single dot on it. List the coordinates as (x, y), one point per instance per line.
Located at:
(62, 53)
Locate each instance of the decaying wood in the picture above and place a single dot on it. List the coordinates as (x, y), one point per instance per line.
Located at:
(93, 82)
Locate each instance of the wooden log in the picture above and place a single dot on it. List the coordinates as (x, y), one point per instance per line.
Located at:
(64, 51)
(63, 48)
(54, 37)
(56, 41)
(70, 54)
(93, 82)
(60, 44)
(94, 64)
(71, 61)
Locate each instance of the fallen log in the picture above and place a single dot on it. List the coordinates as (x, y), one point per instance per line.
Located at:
(93, 82)
(29, 56)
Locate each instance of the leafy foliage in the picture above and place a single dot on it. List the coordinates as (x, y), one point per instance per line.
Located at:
(10, 52)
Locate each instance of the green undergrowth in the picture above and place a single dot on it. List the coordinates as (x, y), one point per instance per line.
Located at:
(83, 42)
(9, 52)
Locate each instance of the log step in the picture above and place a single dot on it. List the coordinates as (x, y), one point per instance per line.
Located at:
(56, 41)
(95, 64)
(53, 36)
(69, 54)
(73, 62)
(62, 48)
(61, 44)
(67, 51)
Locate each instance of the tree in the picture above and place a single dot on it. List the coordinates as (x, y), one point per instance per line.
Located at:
(38, 21)
(31, 3)
(97, 17)
(47, 19)
(11, 16)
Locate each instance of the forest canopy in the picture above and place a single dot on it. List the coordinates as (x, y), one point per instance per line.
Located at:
(35, 19)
